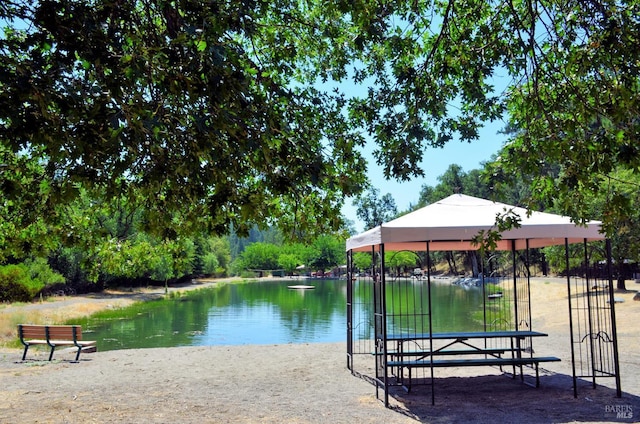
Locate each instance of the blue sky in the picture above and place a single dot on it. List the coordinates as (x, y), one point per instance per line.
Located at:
(436, 161)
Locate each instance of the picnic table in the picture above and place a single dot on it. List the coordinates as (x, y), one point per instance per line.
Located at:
(460, 349)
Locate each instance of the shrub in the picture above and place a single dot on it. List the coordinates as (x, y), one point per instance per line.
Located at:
(16, 285)
(22, 282)
(40, 271)
(210, 264)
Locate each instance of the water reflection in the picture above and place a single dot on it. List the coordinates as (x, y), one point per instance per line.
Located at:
(253, 313)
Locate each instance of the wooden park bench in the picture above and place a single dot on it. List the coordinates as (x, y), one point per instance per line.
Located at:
(54, 336)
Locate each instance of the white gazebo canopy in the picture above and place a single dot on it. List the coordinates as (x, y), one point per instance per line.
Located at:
(451, 224)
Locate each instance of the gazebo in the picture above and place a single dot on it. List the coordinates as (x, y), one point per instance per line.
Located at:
(391, 315)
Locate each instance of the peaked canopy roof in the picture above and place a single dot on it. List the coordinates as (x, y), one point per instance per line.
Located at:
(451, 223)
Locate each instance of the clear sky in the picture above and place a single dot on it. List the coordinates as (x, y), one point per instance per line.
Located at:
(436, 161)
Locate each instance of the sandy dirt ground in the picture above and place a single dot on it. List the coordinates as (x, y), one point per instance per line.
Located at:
(308, 383)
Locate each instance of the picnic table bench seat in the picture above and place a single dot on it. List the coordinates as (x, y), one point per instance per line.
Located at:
(54, 336)
(447, 352)
(471, 362)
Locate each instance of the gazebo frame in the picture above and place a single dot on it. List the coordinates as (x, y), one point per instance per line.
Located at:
(594, 350)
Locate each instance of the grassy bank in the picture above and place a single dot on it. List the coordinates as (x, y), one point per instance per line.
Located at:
(46, 312)
(62, 309)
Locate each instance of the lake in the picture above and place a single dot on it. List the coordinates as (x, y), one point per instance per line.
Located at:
(265, 312)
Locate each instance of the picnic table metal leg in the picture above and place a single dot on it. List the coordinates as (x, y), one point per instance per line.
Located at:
(517, 354)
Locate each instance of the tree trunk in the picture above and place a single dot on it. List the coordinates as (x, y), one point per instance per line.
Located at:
(451, 262)
(621, 283)
(474, 264)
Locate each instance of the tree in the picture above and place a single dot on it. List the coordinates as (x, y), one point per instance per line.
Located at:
(402, 260)
(102, 240)
(563, 74)
(190, 104)
(621, 193)
(372, 210)
(23, 231)
(362, 261)
(326, 252)
(455, 180)
(450, 182)
(218, 109)
(288, 262)
(260, 256)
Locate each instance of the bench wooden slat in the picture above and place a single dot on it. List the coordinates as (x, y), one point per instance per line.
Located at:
(70, 342)
(33, 332)
(37, 342)
(65, 332)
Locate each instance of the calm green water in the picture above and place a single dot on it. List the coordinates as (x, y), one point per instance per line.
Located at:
(257, 313)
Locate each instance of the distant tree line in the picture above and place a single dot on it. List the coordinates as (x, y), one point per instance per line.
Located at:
(102, 243)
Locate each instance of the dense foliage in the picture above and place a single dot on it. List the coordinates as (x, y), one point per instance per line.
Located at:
(22, 282)
(564, 75)
(189, 105)
(325, 253)
(217, 109)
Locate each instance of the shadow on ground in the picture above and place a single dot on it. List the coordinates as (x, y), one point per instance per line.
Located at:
(500, 398)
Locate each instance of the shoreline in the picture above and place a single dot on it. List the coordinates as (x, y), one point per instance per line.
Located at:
(58, 309)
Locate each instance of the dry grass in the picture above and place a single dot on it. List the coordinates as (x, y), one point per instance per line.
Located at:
(14, 314)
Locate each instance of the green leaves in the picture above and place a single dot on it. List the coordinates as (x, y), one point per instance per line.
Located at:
(201, 45)
(239, 113)
(184, 103)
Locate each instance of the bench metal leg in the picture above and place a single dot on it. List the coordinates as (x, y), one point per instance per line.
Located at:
(24, 355)
(51, 354)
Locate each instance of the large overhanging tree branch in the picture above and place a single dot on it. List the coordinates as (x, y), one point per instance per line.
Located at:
(564, 74)
(190, 104)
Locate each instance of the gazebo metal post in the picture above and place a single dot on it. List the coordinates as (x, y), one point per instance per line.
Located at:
(573, 353)
(380, 325)
(589, 315)
(350, 310)
(614, 331)
(514, 264)
(515, 283)
(375, 296)
(529, 286)
(433, 396)
(383, 294)
(484, 295)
